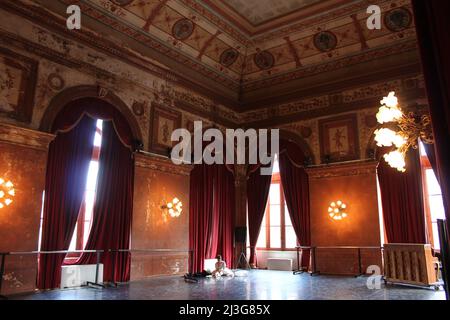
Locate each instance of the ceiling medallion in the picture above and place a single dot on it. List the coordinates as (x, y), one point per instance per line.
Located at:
(228, 57)
(56, 82)
(264, 60)
(139, 108)
(398, 19)
(183, 29)
(325, 41)
(122, 3)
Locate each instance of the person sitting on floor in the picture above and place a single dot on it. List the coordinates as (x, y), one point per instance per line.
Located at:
(221, 269)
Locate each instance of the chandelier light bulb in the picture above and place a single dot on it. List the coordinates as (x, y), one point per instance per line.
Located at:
(396, 160)
(390, 101)
(7, 192)
(385, 137)
(173, 208)
(336, 210)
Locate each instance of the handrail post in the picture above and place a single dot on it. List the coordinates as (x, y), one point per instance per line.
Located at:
(2, 272)
(97, 266)
(314, 271)
(299, 270)
(112, 254)
(360, 272)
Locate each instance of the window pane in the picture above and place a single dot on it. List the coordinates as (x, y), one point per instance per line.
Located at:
(98, 136)
(274, 193)
(422, 149)
(97, 139)
(275, 237)
(432, 183)
(261, 243)
(287, 217)
(275, 218)
(90, 195)
(436, 208)
(92, 176)
(291, 238)
(87, 227)
(73, 242)
(276, 168)
(437, 244)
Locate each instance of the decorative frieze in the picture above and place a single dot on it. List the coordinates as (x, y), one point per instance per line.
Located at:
(25, 137)
(356, 168)
(159, 163)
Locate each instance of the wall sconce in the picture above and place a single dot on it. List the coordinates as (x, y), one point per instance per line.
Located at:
(173, 208)
(337, 210)
(7, 192)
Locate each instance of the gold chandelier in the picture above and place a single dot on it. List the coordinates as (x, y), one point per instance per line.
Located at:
(403, 131)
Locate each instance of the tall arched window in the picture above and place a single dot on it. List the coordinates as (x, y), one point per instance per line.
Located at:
(84, 222)
(277, 232)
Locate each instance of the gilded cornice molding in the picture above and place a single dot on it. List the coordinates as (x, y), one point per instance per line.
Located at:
(25, 137)
(157, 163)
(356, 168)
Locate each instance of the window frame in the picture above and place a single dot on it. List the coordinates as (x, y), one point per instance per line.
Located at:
(425, 166)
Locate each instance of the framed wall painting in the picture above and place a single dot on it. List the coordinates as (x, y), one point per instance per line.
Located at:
(18, 76)
(163, 122)
(339, 139)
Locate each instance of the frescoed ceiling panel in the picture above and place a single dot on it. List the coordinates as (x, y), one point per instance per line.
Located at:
(259, 11)
(216, 40)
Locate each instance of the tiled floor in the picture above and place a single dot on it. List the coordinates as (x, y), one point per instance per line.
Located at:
(256, 285)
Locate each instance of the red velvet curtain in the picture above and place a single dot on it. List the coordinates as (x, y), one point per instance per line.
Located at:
(200, 215)
(224, 206)
(67, 166)
(402, 201)
(431, 155)
(296, 192)
(111, 226)
(211, 214)
(258, 187)
(433, 25)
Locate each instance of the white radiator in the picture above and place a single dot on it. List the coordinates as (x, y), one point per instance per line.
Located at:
(79, 275)
(279, 264)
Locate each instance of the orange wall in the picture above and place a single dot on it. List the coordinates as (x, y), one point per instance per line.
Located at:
(158, 181)
(23, 159)
(355, 185)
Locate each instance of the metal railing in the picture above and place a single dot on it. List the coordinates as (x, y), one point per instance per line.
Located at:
(112, 252)
(313, 257)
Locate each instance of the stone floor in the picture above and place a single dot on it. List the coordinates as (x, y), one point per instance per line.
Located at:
(255, 285)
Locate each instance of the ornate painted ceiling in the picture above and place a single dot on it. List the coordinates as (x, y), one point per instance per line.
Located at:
(248, 49)
(257, 12)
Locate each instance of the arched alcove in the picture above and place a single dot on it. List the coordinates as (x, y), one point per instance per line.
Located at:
(72, 94)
